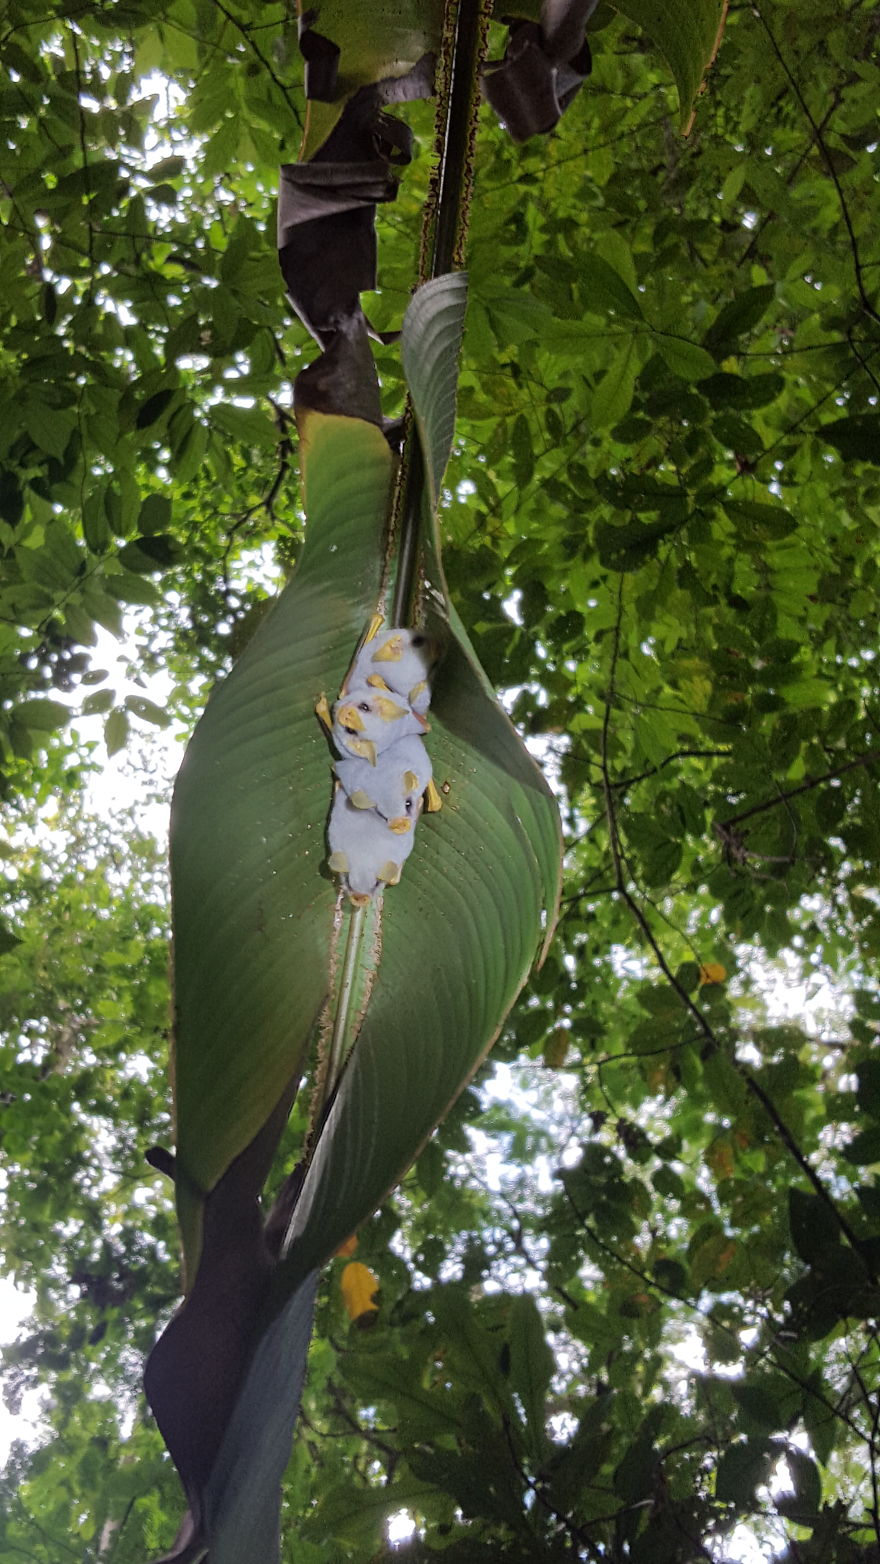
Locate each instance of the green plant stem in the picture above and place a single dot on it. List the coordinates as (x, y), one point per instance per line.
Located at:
(457, 144)
(443, 237)
(340, 1039)
(409, 530)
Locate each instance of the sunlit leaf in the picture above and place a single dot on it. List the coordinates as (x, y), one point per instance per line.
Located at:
(687, 33)
(253, 901)
(462, 930)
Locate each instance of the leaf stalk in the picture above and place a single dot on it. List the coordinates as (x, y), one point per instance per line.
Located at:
(444, 231)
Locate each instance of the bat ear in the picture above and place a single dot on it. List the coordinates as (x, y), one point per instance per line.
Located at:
(410, 780)
(433, 801)
(388, 709)
(390, 651)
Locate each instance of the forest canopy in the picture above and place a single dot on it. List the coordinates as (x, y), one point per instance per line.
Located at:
(626, 1301)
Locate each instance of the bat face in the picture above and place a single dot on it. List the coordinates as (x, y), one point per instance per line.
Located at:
(393, 786)
(397, 645)
(367, 720)
(364, 848)
(401, 661)
(356, 715)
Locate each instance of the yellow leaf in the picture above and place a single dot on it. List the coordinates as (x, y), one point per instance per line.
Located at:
(712, 972)
(725, 1257)
(347, 1248)
(556, 1048)
(359, 1289)
(720, 1157)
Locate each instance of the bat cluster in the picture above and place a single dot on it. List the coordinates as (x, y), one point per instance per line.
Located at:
(378, 727)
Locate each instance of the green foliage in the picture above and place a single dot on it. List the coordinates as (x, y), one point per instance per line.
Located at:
(670, 566)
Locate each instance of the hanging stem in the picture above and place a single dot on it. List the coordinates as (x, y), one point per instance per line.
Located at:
(442, 250)
(409, 528)
(345, 999)
(444, 230)
(445, 223)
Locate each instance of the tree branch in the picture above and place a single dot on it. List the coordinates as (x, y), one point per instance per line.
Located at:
(803, 787)
(827, 159)
(266, 64)
(708, 1031)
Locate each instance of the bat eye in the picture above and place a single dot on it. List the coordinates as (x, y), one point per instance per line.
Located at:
(419, 640)
(408, 806)
(363, 705)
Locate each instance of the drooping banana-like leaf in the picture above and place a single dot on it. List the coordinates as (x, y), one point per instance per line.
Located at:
(477, 898)
(544, 67)
(253, 904)
(256, 931)
(459, 935)
(242, 1500)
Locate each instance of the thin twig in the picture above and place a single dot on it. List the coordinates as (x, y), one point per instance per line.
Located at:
(246, 33)
(86, 166)
(708, 1031)
(827, 159)
(803, 787)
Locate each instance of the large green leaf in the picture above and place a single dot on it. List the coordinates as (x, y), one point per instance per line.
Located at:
(243, 1495)
(458, 937)
(260, 932)
(253, 903)
(477, 898)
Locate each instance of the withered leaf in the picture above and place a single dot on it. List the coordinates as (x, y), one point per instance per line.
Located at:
(544, 66)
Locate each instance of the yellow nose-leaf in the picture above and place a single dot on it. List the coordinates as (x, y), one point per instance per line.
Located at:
(350, 717)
